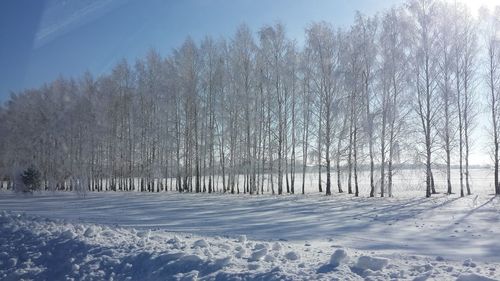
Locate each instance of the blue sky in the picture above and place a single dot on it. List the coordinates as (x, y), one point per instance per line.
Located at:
(41, 40)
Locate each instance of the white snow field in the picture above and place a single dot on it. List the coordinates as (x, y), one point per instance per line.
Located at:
(171, 236)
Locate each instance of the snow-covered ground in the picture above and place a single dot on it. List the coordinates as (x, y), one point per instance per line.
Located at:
(175, 236)
(46, 249)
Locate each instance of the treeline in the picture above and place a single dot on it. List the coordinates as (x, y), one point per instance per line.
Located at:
(399, 87)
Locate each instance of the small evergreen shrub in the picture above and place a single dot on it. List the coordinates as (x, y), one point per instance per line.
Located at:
(31, 178)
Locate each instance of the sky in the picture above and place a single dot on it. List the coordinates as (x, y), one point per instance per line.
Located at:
(43, 39)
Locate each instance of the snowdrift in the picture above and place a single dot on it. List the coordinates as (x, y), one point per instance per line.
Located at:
(37, 248)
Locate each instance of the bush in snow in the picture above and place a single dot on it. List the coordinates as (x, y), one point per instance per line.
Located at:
(31, 179)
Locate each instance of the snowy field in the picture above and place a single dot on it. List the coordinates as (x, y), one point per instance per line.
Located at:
(170, 236)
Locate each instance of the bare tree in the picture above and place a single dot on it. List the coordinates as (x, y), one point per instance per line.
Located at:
(325, 48)
(446, 130)
(424, 13)
(393, 78)
(365, 31)
(492, 28)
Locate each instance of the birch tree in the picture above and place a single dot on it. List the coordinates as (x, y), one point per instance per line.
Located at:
(324, 45)
(424, 13)
(492, 27)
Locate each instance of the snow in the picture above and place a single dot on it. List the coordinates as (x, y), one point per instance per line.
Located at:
(170, 236)
(469, 262)
(473, 277)
(371, 263)
(242, 238)
(258, 254)
(292, 255)
(201, 243)
(32, 247)
(447, 226)
(339, 256)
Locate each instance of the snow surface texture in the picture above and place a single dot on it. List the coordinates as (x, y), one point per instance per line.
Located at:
(447, 226)
(45, 249)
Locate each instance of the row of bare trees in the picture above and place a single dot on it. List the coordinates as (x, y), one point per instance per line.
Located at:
(252, 113)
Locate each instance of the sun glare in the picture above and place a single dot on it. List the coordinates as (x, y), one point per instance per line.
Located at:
(475, 5)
